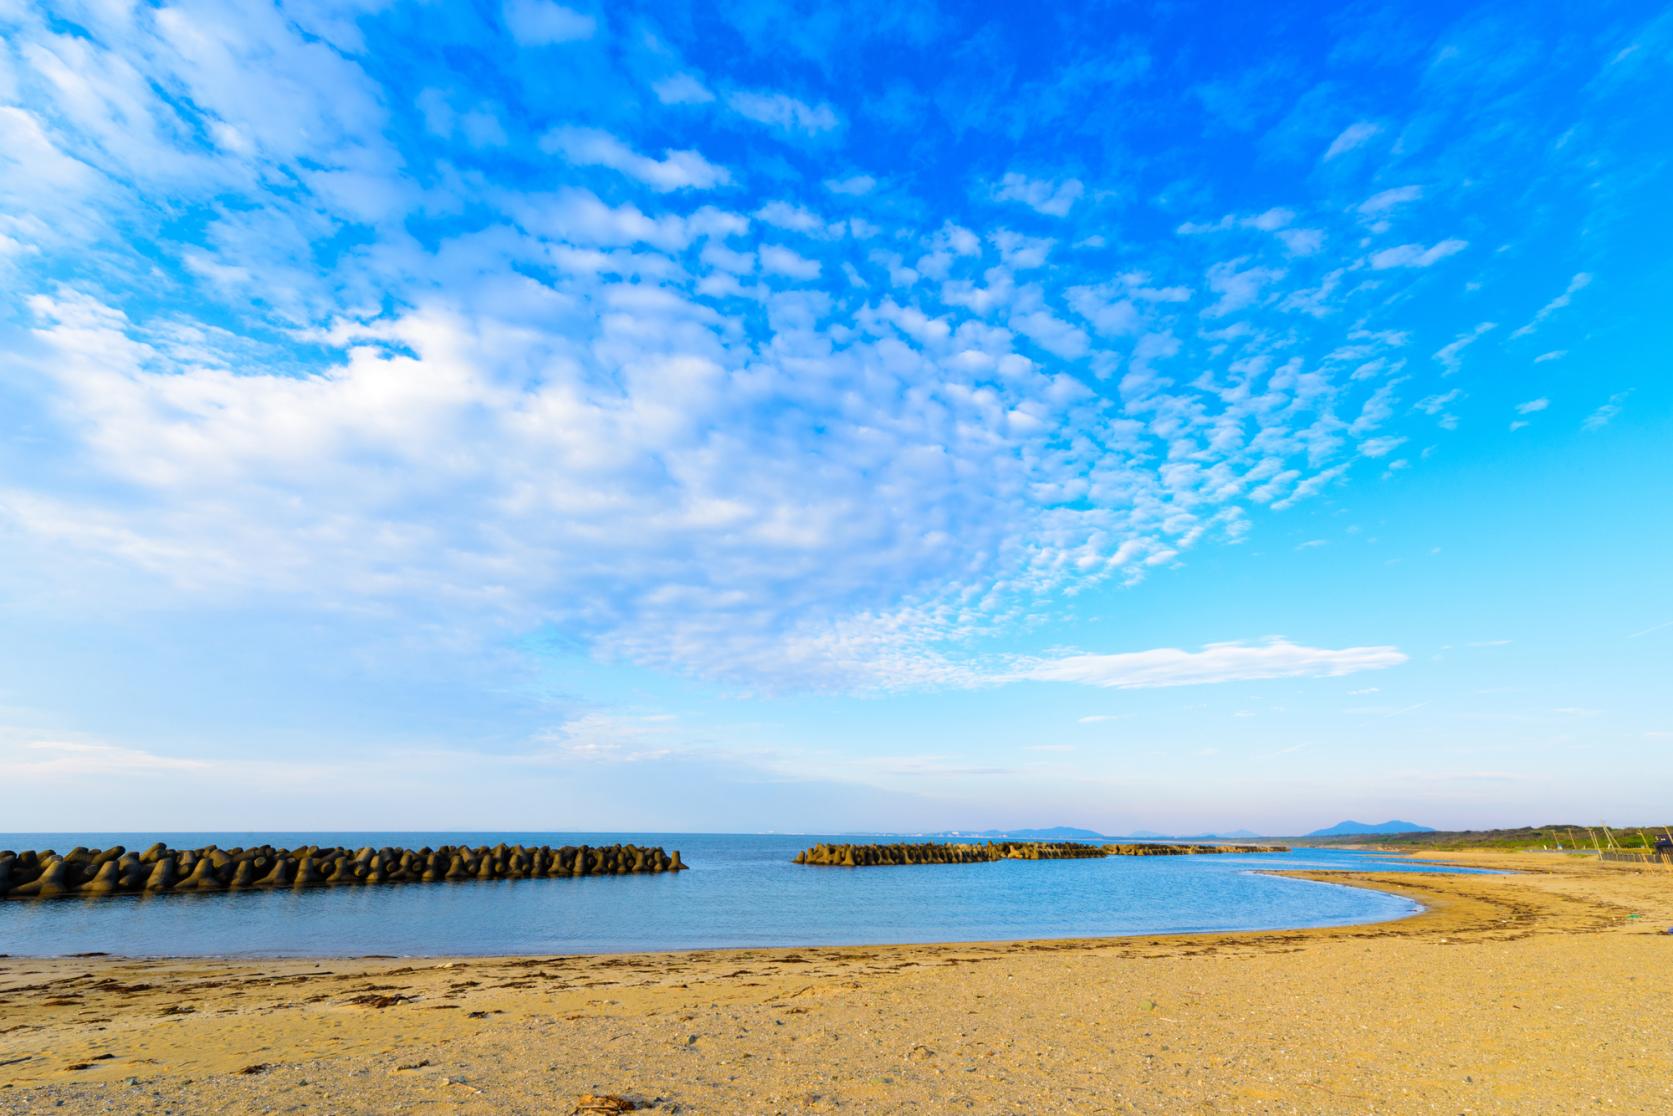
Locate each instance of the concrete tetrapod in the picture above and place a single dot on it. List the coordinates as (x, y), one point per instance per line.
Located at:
(936, 852)
(116, 871)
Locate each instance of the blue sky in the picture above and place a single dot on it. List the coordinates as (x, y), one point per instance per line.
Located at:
(834, 417)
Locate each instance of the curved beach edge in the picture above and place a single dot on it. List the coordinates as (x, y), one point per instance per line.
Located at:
(1349, 879)
(1431, 901)
(1572, 943)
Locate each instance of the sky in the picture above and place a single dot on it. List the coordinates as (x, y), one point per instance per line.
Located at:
(834, 417)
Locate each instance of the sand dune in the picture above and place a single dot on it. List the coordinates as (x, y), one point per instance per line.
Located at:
(1544, 991)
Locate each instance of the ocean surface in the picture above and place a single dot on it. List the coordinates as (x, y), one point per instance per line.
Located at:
(741, 890)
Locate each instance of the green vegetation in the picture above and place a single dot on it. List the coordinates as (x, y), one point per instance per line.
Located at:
(1551, 837)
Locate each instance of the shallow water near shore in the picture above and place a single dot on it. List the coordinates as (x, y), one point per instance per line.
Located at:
(741, 890)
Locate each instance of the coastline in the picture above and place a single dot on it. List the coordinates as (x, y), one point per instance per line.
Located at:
(1158, 1022)
(747, 894)
(1325, 877)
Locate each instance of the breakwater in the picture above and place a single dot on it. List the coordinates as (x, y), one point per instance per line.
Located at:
(116, 871)
(935, 852)
(1188, 850)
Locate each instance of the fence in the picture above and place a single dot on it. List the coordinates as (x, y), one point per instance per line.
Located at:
(1639, 857)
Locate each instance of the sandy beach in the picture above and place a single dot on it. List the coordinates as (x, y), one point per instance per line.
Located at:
(1542, 991)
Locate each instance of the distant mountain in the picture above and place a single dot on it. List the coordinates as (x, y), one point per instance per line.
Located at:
(1071, 833)
(1230, 835)
(1354, 829)
(1050, 833)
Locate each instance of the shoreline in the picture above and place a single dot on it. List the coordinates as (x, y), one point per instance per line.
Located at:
(276, 944)
(1319, 876)
(1464, 998)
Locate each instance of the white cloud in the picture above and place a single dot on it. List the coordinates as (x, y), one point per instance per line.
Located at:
(1051, 333)
(1302, 242)
(778, 260)
(853, 186)
(1276, 221)
(1451, 355)
(1238, 286)
(682, 89)
(1354, 135)
(914, 323)
(1107, 308)
(606, 738)
(1379, 204)
(1416, 255)
(1054, 199)
(779, 110)
(593, 416)
(1315, 483)
(1270, 220)
(68, 758)
(1022, 253)
(717, 255)
(1575, 285)
(1605, 414)
(676, 170)
(627, 494)
(1532, 406)
(480, 126)
(1436, 404)
(579, 217)
(956, 239)
(351, 369)
(544, 23)
(25, 144)
(1217, 662)
(794, 218)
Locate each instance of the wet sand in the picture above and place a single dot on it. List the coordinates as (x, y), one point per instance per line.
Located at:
(1534, 992)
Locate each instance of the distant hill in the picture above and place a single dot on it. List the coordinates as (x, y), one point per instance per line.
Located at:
(1226, 835)
(1551, 837)
(1071, 833)
(1050, 833)
(1354, 828)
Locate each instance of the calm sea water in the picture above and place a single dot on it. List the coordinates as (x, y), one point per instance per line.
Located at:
(741, 890)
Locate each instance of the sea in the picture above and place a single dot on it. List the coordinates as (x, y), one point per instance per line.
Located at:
(740, 890)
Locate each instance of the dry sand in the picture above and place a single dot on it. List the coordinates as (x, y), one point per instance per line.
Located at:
(1538, 992)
